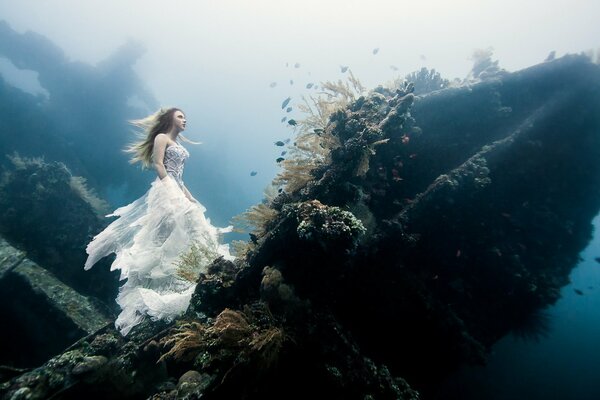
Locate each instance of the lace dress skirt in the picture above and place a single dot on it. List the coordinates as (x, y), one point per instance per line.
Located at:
(149, 238)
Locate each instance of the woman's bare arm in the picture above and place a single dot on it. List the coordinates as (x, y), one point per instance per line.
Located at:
(158, 154)
(189, 195)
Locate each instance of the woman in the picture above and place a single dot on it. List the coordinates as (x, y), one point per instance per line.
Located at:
(155, 231)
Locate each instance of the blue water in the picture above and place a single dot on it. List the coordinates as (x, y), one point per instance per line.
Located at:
(565, 364)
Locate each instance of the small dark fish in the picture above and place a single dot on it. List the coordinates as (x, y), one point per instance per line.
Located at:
(297, 65)
(287, 65)
(286, 141)
(319, 131)
(253, 237)
(309, 85)
(579, 292)
(285, 102)
(280, 159)
(253, 173)
(279, 143)
(316, 87)
(292, 122)
(289, 109)
(376, 50)
(343, 68)
(394, 68)
(283, 153)
(283, 119)
(291, 81)
(273, 84)
(597, 259)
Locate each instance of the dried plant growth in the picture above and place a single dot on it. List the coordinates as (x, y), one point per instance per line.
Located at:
(311, 149)
(190, 264)
(267, 345)
(77, 183)
(186, 342)
(424, 80)
(79, 186)
(256, 219)
(231, 338)
(314, 141)
(24, 162)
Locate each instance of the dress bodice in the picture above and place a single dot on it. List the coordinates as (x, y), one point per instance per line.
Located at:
(175, 156)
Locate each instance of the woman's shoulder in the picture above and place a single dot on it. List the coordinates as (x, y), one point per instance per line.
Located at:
(161, 138)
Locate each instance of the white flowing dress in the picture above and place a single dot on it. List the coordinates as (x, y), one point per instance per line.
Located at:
(149, 238)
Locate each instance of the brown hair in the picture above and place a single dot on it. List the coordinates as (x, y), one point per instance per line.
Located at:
(159, 122)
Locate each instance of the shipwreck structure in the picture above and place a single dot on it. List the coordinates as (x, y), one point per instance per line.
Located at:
(435, 225)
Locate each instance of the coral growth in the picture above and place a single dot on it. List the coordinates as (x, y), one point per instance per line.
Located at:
(402, 253)
(193, 262)
(323, 225)
(424, 81)
(314, 141)
(51, 214)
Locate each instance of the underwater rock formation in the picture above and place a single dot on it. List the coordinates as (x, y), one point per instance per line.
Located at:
(440, 224)
(49, 213)
(84, 117)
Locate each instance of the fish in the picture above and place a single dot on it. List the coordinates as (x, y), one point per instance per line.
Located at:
(286, 141)
(458, 253)
(375, 50)
(394, 68)
(297, 65)
(309, 85)
(288, 109)
(253, 237)
(280, 159)
(343, 68)
(253, 173)
(597, 259)
(283, 153)
(273, 84)
(291, 81)
(579, 292)
(285, 102)
(412, 156)
(316, 87)
(405, 139)
(423, 58)
(292, 122)
(279, 143)
(319, 131)
(283, 119)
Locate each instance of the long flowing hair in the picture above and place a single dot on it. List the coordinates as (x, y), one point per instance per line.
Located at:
(149, 127)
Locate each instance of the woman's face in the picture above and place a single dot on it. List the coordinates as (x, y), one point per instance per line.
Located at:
(179, 120)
